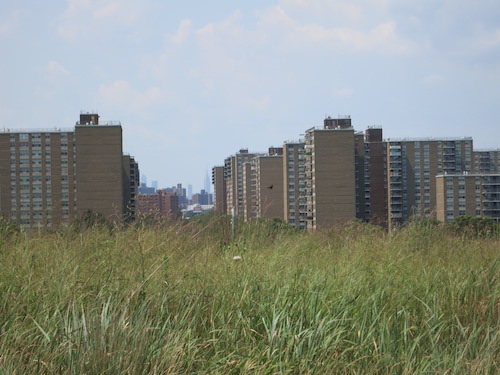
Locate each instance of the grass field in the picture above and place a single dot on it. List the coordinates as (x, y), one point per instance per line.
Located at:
(171, 300)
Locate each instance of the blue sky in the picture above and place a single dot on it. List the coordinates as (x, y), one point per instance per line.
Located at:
(194, 81)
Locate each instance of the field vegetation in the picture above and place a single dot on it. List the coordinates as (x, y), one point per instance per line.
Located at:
(168, 298)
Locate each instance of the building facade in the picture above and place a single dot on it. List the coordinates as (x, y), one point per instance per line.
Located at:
(269, 186)
(219, 183)
(487, 161)
(467, 195)
(130, 185)
(375, 177)
(249, 193)
(233, 175)
(50, 176)
(412, 167)
(335, 174)
(294, 188)
(330, 174)
(159, 205)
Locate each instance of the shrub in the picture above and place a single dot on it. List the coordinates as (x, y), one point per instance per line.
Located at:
(91, 219)
(8, 228)
(474, 226)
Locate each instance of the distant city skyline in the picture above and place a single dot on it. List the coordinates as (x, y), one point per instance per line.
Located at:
(193, 82)
(207, 185)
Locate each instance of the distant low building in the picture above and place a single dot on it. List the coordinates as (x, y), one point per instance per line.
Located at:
(161, 205)
(143, 189)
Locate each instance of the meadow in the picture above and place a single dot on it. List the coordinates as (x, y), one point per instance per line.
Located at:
(170, 299)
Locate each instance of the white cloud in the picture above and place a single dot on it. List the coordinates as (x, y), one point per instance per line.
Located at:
(109, 10)
(55, 79)
(336, 11)
(433, 79)
(55, 70)
(183, 32)
(98, 18)
(299, 35)
(121, 95)
(344, 92)
(227, 64)
(12, 23)
(486, 40)
(6, 115)
(6, 28)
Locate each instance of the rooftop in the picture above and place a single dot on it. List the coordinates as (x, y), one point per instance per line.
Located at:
(36, 130)
(427, 139)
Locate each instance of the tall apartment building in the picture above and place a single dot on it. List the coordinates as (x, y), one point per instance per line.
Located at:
(487, 161)
(336, 174)
(294, 202)
(248, 185)
(369, 175)
(359, 175)
(412, 166)
(49, 176)
(375, 177)
(330, 174)
(467, 194)
(219, 183)
(233, 174)
(130, 185)
(269, 186)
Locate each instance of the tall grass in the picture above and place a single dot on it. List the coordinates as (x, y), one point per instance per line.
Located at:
(171, 300)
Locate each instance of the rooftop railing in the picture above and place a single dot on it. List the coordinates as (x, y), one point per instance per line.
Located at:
(101, 123)
(426, 139)
(36, 130)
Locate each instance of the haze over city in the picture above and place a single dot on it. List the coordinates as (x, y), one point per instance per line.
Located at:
(193, 82)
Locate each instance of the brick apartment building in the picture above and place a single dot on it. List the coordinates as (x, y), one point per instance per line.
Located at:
(467, 194)
(330, 174)
(335, 174)
(160, 205)
(50, 176)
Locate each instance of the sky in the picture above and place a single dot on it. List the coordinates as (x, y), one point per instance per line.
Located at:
(194, 81)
